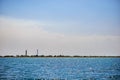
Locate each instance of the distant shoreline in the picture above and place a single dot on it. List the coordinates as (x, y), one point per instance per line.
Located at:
(59, 56)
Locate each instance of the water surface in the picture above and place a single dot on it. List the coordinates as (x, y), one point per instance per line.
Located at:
(59, 68)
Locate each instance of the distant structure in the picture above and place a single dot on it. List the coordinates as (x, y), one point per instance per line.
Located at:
(37, 53)
(25, 52)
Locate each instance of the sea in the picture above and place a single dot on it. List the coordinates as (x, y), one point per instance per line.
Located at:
(59, 68)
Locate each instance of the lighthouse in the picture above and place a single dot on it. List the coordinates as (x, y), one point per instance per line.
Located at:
(25, 52)
(37, 53)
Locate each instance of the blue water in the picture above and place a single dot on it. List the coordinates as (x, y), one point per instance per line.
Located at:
(59, 68)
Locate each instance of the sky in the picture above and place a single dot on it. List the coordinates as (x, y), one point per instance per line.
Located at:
(66, 27)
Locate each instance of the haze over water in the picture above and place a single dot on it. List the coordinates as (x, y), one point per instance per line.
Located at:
(82, 27)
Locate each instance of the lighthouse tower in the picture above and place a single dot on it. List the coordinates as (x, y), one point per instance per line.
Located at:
(37, 53)
(25, 52)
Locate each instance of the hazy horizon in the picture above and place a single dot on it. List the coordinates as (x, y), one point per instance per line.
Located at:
(66, 27)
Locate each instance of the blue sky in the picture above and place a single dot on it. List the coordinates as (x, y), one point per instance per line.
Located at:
(79, 17)
(69, 27)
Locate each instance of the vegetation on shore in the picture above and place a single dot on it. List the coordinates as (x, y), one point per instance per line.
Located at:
(54, 56)
(58, 56)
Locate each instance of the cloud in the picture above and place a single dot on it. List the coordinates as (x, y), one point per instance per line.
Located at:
(17, 35)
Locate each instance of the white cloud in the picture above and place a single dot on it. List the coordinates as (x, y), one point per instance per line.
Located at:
(17, 35)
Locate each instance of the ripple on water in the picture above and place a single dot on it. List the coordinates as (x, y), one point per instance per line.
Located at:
(59, 69)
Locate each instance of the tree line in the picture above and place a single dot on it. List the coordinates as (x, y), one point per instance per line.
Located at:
(54, 56)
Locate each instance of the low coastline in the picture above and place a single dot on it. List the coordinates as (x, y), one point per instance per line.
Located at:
(58, 56)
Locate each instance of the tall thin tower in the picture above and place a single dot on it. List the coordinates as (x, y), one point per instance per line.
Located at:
(25, 52)
(37, 52)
